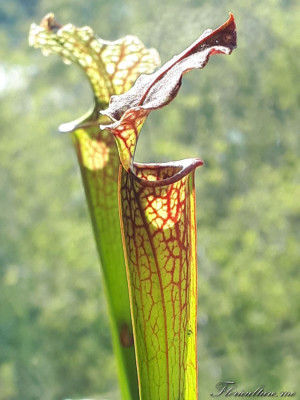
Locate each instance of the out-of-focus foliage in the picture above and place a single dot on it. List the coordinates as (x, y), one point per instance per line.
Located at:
(240, 114)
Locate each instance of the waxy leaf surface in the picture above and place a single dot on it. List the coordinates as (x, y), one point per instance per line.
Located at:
(111, 68)
(159, 231)
(130, 110)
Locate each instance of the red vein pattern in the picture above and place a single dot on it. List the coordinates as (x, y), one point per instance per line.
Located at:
(126, 134)
(159, 234)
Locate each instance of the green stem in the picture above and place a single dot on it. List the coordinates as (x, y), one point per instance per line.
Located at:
(99, 163)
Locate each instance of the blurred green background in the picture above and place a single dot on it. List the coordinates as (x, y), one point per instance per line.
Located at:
(240, 115)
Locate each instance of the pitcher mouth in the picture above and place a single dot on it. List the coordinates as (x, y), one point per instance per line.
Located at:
(163, 174)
